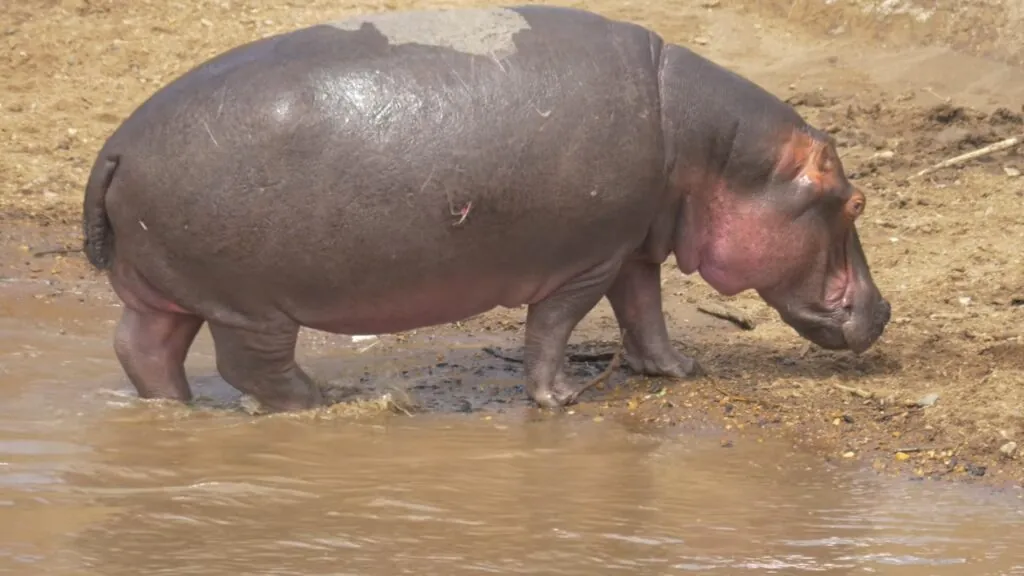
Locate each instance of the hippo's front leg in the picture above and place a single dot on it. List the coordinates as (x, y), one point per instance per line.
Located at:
(549, 323)
(635, 297)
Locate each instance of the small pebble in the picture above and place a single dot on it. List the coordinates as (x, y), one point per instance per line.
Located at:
(849, 454)
(1009, 450)
(928, 400)
(702, 40)
(1011, 171)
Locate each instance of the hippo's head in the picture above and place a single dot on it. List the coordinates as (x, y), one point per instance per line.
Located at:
(779, 218)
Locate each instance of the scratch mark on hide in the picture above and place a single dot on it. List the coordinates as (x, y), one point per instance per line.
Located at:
(384, 111)
(459, 78)
(429, 178)
(220, 107)
(462, 213)
(210, 132)
(499, 63)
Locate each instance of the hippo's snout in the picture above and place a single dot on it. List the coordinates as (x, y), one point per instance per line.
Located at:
(856, 316)
(865, 327)
(855, 328)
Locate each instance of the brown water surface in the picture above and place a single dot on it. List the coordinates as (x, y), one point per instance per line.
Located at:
(94, 482)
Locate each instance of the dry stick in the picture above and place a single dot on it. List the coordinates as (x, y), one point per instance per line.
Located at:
(57, 252)
(915, 449)
(494, 352)
(904, 411)
(612, 367)
(856, 391)
(727, 313)
(957, 160)
(745, 399)
(575, 357)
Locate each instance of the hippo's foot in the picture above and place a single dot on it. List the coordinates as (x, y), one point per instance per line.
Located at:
(151, 346)
(262, 365)
(636, 299)
(559, 394)
(667, 362)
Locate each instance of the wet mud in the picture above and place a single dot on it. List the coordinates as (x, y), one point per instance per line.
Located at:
(940, 397)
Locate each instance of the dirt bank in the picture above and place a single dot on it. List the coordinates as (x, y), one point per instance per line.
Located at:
(945, 250)
(986, 28)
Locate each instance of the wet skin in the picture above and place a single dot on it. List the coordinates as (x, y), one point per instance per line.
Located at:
(347, 181)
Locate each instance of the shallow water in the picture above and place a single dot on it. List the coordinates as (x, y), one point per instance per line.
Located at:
(93, 482)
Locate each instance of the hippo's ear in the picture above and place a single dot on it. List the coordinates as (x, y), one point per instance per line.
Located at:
(826, 159)
(823, 167)
(796, 155)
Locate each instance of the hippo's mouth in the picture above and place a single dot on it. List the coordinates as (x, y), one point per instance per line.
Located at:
(839, 287)
(830, 321)
(849, 318)
(825, 326)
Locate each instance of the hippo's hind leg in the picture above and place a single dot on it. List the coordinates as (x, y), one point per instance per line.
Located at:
(261, 363)
(549, 323)
(635, 297)
(151, 346)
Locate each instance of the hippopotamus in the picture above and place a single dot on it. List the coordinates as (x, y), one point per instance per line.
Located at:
(398, 170)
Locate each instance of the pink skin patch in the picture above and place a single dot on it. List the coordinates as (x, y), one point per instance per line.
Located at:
(788, 255)
(751, 246)
(138, 294)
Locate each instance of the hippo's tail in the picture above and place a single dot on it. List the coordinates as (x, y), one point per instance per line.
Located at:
(96, 229)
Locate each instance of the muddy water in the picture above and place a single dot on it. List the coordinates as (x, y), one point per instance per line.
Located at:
(95, 483)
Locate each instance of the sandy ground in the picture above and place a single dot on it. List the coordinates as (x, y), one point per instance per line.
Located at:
(946, 250)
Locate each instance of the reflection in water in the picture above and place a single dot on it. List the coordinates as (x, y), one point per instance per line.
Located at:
(94, 487)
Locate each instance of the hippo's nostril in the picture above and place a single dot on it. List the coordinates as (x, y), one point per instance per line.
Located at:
(884, 312)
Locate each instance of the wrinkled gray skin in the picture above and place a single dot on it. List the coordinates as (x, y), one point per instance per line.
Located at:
(372, 178)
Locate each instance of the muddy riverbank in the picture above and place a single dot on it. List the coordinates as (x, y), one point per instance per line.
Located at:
(941, 396)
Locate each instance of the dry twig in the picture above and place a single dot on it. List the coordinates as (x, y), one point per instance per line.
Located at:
(963, 158)
(727, 313)
(612, 367)
(576, 357)
(56, 252)
(916, 449)
(856, 391)
(745, 399)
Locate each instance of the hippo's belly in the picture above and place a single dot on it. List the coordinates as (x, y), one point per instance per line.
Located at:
(425, 304)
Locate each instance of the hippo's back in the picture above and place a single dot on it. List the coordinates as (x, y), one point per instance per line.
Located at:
(441, 146)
